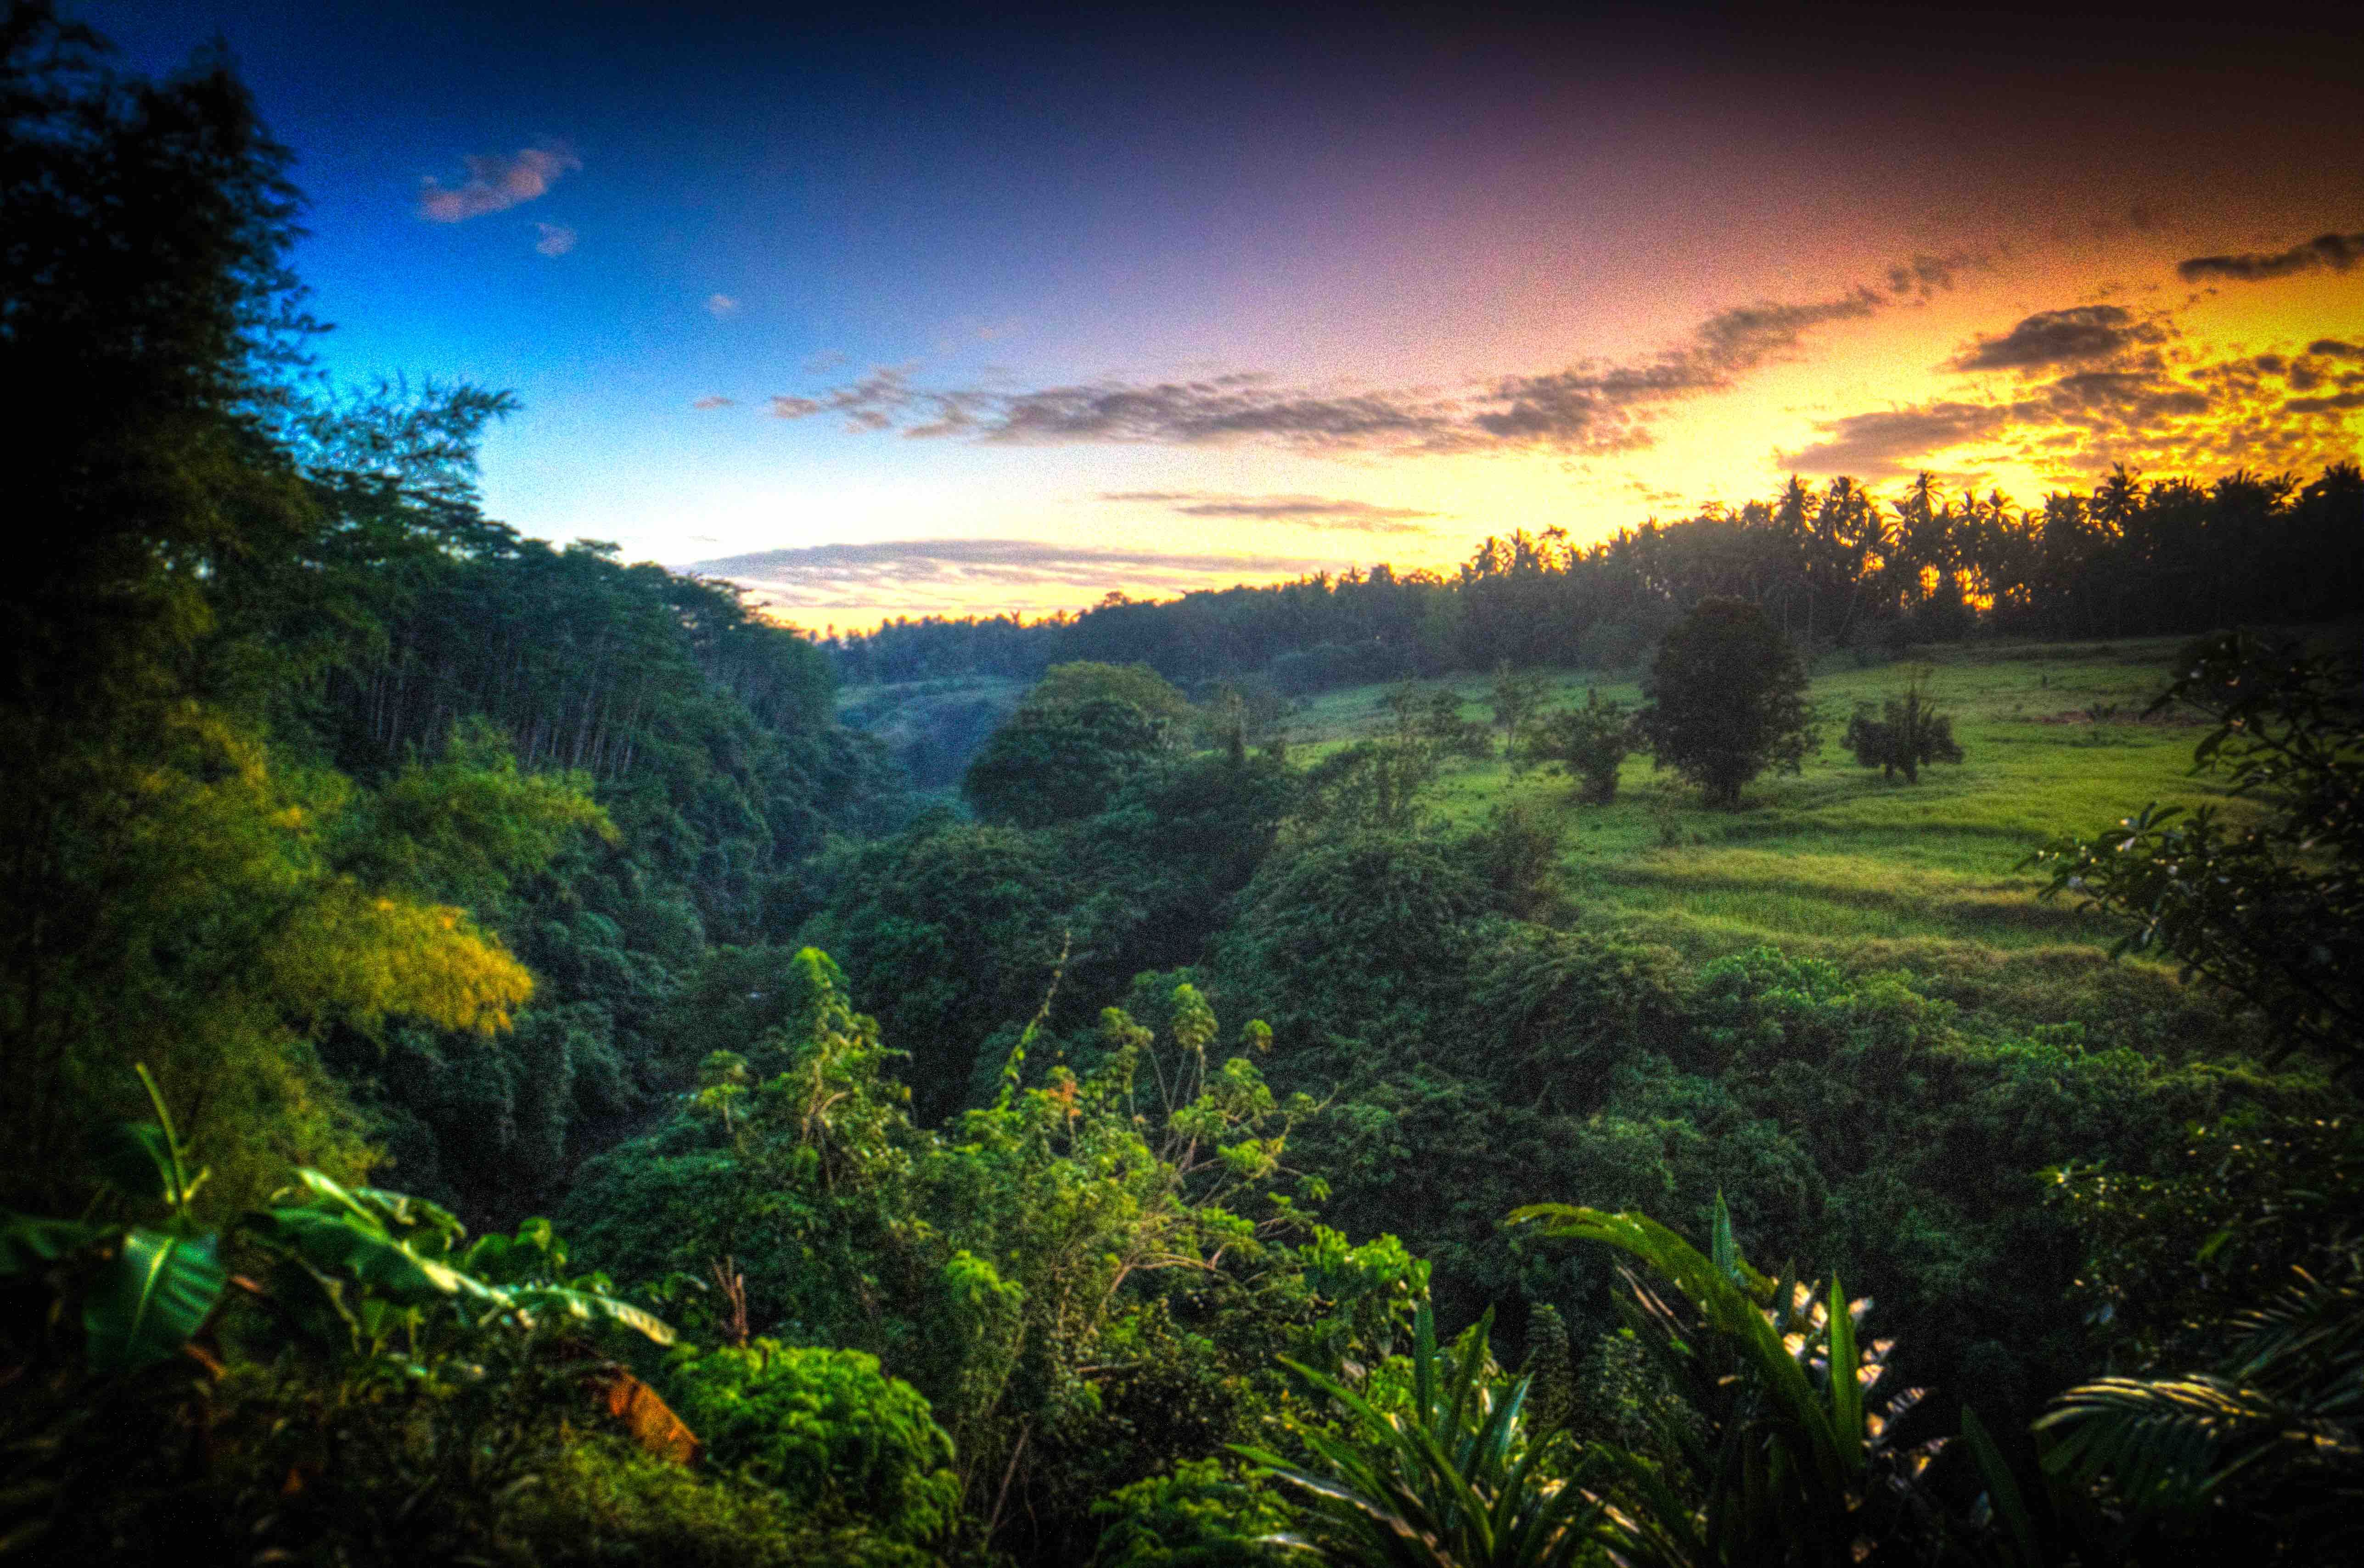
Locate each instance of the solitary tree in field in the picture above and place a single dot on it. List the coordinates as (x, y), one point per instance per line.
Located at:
(1727, 700)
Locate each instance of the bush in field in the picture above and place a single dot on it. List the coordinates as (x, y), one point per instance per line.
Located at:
(1441, 722)
(1588, 745)
(1909, 732)
(1727, 700)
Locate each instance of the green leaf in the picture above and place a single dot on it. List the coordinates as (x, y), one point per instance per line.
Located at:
(28, 1241)
(150, 1298)
(2003, 1489)
(350, 1245)
(134, 1158)
(592, 1306)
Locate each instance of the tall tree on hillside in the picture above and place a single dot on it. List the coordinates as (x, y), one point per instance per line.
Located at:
(1727, 700)
(171, 892)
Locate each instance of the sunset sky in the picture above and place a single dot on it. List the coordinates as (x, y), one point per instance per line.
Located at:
(907, 312)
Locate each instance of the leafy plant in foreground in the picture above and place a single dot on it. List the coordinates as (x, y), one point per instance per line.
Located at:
(1459, 1480)
(2263, 1452)
(1790, 1461)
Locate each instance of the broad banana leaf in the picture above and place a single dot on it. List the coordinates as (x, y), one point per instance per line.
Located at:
(150, 1299)
(590, 1306)
(347, 1244)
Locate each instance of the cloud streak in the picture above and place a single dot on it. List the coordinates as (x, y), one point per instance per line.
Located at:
(1306, 511)
(495, 183)
(954, 575)
(2325, 253)
(556, 239)
(1589, 407)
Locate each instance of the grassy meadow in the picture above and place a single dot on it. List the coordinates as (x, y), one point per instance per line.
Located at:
(1875, 876)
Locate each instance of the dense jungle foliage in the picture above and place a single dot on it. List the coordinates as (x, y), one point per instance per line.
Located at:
(1179, 1150)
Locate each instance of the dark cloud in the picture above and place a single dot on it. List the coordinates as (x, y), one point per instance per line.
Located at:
(1925, 275)
(1746, 336)
(2332, 347)
(1224, 409)
(1891, 443)
(2157, 409)
(2052, 337)
(1308, 511)
(2335, 253)
(2127, 401)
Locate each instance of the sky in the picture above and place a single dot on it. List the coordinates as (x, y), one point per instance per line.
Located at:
(892, 311)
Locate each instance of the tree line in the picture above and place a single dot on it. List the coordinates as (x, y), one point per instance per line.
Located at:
(1832, 565)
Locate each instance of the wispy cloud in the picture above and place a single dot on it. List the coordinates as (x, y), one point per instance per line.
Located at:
(721, 305)
(715, 400)
(2332, 252)
(556, 239)
(495, 183)
(955, 575)
(1306, 511)
(1888, 442)
(1589, 407)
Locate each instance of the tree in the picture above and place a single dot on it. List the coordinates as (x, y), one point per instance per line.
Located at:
(1054, 765)
(1727, 700)
(1516, 696)
(1588, 745)
(1909, 732)
(1074, 684)
(2270, 909)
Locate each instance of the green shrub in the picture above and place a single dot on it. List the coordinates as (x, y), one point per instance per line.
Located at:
(825, 1426)
(1588, 745)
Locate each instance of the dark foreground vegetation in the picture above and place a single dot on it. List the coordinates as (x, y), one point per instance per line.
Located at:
(1178, 1153)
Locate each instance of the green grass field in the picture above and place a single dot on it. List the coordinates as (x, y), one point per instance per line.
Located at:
(1837, 863)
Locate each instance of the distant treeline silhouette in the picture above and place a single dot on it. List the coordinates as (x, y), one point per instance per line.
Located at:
(1835, 566)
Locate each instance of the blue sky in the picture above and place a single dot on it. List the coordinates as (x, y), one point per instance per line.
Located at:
(1171, 300)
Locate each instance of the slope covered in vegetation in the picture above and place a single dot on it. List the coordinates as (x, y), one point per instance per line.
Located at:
(1160, 1155)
